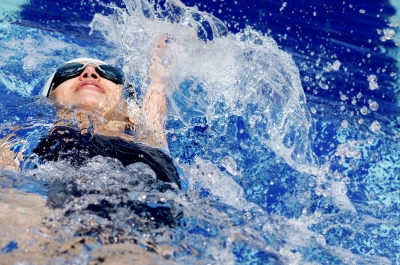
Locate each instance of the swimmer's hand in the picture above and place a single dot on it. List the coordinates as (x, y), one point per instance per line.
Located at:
(8, 159)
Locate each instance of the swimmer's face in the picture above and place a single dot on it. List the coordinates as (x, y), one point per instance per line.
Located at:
(88, 91)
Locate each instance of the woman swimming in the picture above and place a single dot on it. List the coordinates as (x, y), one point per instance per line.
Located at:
(92, 89)
(94, 118)
(93, 121)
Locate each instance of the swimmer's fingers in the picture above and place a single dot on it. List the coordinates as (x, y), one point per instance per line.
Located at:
(8, 159)
(164, 41)
(161, 46)
(163, 58)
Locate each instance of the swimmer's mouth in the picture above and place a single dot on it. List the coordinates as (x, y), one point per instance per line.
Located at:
(90, 85)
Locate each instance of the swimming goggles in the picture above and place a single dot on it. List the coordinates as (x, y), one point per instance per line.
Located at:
(76, 67)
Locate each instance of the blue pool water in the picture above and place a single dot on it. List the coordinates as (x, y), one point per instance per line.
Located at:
(283, 117)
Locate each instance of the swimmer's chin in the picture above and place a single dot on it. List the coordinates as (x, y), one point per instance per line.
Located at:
(89, 104)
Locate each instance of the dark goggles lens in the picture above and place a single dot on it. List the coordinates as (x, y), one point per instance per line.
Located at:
(71, 70)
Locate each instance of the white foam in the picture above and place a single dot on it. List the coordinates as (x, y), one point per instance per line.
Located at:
(240, 70)
(207, 175)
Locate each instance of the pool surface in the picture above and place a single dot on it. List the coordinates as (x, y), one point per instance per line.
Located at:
(283, 118)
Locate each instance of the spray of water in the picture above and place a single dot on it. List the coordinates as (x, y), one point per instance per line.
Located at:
(213, 75)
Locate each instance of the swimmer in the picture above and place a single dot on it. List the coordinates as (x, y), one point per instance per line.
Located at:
(89, 92)
(92, 85)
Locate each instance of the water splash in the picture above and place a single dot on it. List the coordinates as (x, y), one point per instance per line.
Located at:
(213, 76)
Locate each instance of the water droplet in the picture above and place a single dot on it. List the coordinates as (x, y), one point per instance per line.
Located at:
(336, 65)
(284, 4)
(345, 124)
(364, 110)
(372, 82)
(375, 126)
(373, 105)
(362, 11)
(323, 86)
(313, 110)
(394, 24)
(389, 34)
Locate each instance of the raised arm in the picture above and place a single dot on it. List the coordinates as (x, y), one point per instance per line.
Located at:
(155, 103)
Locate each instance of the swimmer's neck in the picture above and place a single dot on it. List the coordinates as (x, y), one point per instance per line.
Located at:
(112, 124)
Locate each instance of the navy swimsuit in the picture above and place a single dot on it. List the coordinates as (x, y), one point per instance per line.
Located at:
(69, 144)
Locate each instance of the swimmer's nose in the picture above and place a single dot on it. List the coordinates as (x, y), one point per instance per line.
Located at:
(89, 73)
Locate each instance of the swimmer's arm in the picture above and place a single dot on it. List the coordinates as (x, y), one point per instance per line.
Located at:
(155, 103)
(154, 107)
